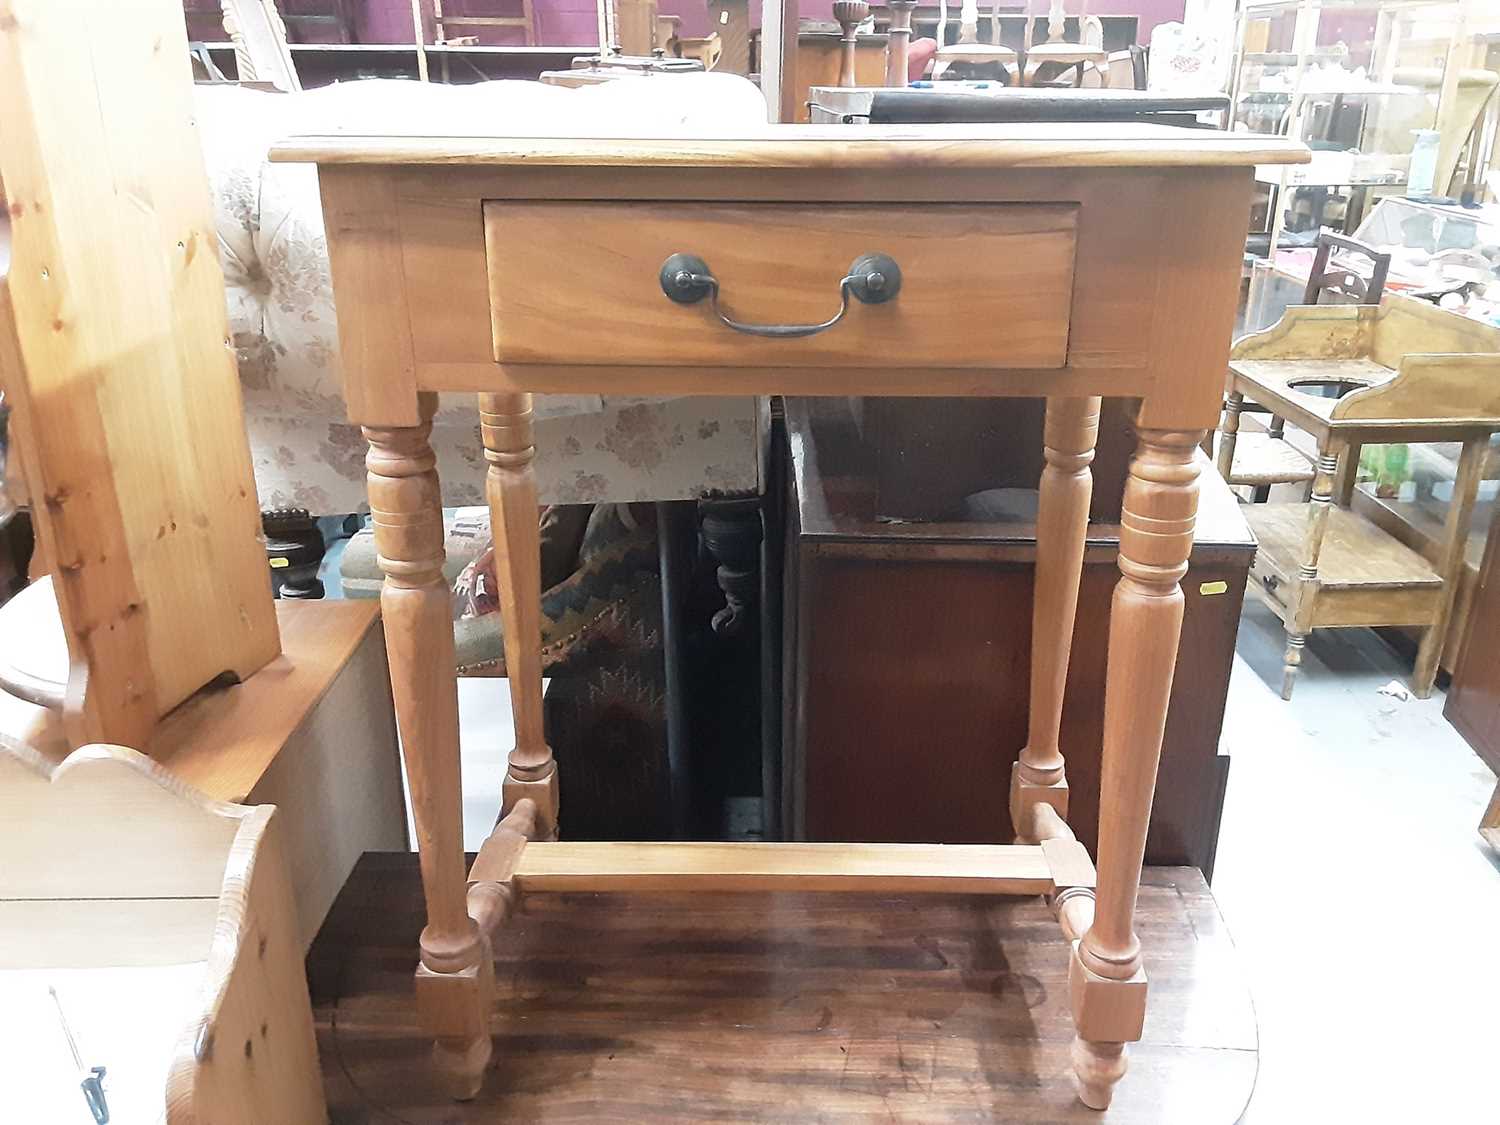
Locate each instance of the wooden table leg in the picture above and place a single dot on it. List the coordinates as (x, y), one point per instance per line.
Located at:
(1061, 529)
(1107, 982)
(455, 981)
(510, 487)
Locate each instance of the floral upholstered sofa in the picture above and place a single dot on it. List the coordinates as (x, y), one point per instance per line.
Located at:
(275, 257)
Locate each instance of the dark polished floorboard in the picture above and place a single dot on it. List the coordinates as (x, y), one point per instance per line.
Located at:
(798, 1008)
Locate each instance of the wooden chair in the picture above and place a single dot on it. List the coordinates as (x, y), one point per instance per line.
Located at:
(969, 49)
(525, 22)
(1350, 374)
(1085, 55)
(128, 419)
(1341, 279)
(261, 53)
(1263, 459)
(339, 19)
(121, 888)
(705, 49)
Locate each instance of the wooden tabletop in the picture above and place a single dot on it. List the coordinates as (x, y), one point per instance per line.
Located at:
(1011, 145)
(786, 1007)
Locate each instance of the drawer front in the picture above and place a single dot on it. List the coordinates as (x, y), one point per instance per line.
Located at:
(982, 285)
(1275, 584)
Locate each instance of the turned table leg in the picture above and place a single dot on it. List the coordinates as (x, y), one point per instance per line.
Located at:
(455, 980)
(1062, 527)
(510, 487)
(1107, 982)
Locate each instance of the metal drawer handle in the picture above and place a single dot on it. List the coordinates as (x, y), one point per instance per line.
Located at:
(873, 279)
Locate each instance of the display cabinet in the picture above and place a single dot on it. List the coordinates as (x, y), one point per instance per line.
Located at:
(1443, 253)
(1356, 80)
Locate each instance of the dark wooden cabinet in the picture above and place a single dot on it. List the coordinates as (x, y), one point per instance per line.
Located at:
(907, 641)
(1473, 704)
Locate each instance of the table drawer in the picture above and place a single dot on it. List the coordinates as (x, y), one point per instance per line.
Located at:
(981, 285)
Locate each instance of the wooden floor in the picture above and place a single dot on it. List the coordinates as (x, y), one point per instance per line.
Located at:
(758, 1007)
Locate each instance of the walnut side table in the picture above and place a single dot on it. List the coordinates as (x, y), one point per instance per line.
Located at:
(1057, 261)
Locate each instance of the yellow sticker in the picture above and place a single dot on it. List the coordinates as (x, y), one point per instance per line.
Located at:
(278, 563)
(1206, 588)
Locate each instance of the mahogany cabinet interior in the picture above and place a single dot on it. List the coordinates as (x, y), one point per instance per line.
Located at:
(636, 275)
(903, 634)
(1473, 703)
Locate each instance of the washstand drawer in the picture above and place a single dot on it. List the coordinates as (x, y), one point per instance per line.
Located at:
(980, 285)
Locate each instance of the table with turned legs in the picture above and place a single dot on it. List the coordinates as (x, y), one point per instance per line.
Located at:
(1061, 261)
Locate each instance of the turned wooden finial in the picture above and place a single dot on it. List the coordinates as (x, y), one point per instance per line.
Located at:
(850, 14)
(898, 52)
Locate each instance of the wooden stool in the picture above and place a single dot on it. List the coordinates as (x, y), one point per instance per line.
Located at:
(988, 260)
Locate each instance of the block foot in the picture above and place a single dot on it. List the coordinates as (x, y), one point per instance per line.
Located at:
(461, 1065)
(1097, 1067)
